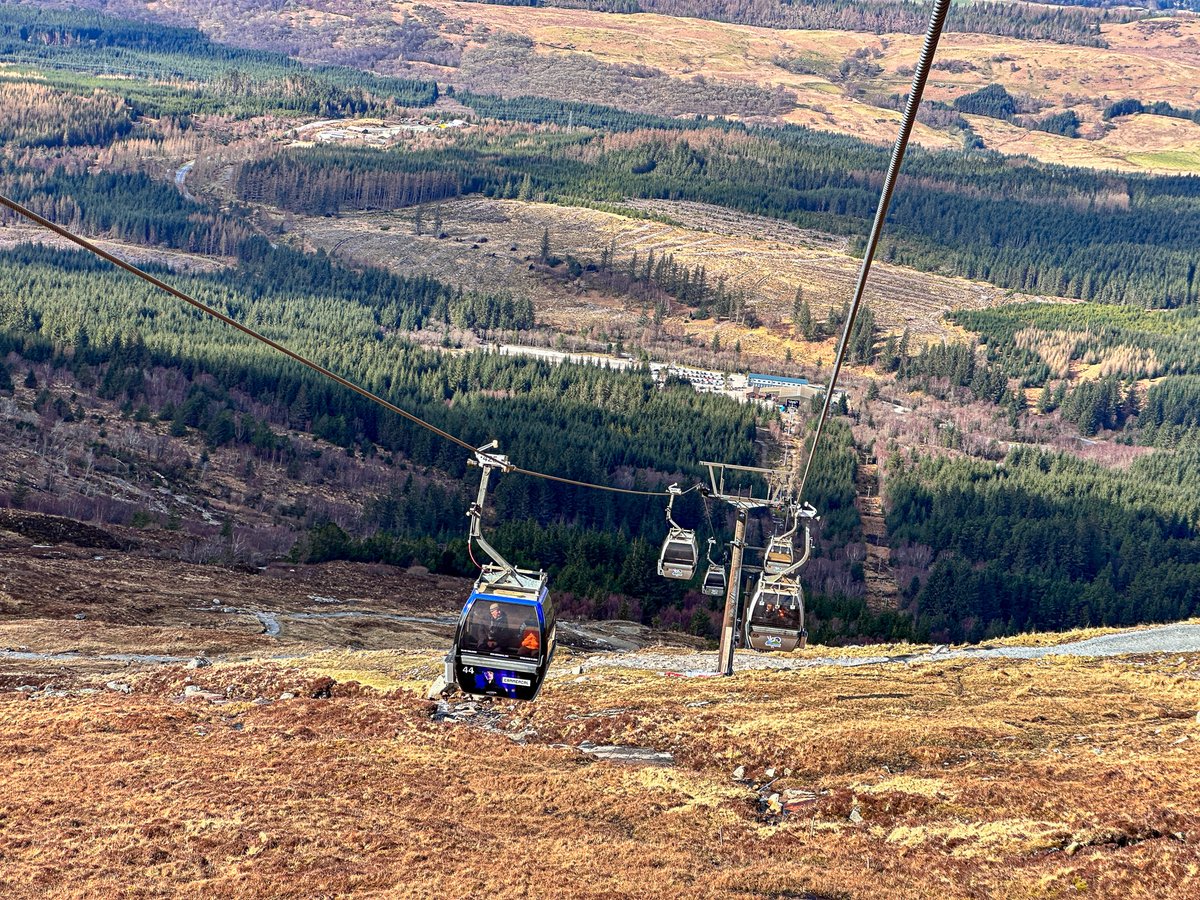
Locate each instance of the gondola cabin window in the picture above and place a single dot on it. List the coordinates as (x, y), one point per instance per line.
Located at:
(679, 553)
(776, 611)
(503, 629)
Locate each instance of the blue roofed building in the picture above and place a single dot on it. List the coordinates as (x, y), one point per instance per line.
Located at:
(782, 388)
(770, 381)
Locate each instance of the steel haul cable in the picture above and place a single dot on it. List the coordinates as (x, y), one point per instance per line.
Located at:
(936, 20)
(292, 354)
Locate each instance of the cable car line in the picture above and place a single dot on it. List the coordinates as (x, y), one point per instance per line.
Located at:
(506, 635)
(936, 20)
(292, 354)
(601, 487)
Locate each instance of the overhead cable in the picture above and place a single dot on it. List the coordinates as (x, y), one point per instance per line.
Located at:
(91, 247)
(936, 21)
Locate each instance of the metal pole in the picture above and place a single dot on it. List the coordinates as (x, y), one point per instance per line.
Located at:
(732, 595)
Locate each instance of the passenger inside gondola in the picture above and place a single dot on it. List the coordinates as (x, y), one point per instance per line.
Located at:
(503, 629)
(779, 611)
(531, 639)
(788, 613)
(490, 630)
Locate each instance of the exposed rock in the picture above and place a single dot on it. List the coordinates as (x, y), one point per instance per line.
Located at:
(80, 616)
(120, 687)
(287, 695)
(644, 756)
(200, 662)
(437, 688)
(739, 773)
(856, 815)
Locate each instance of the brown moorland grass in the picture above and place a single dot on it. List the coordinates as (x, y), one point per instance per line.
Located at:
(1152, 60)
(1149, 60)
(999, 779)
(1156, 144)
(766, 258)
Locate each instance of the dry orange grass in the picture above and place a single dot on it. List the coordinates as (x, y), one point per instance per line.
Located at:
(1002, 780)
(1156, 59)
(1156, 144)
(1152, 60)
(765, 258)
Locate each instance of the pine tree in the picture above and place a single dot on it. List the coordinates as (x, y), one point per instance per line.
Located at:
(544, 253)
(802, 315)
(832, 321)
(902, 349)
(891, 359)
(20, 493)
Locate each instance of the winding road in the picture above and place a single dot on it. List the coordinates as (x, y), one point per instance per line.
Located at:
(181, 175)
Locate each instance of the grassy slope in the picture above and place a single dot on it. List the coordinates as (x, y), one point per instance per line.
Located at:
(1003, 780)
(1152, 60)
(766, 258)
(1146, 60)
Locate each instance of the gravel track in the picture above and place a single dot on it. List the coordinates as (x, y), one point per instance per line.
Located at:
(1164, 639)
(1167, 639)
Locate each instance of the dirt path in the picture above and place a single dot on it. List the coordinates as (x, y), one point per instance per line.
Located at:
(882, 590)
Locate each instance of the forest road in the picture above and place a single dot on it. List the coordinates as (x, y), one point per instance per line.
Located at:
(181, 175)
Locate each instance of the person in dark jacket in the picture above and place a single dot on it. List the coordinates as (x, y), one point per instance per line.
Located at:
(494, 633)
